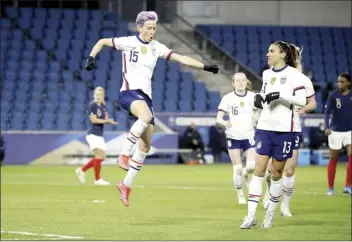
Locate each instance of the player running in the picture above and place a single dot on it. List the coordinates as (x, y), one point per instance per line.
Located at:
(238, 105)
(98, 116)
(339, 130)
(139, 56)
(288, 180)
(283, 88)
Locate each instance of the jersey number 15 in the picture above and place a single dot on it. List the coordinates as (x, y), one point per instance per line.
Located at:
(134, 56)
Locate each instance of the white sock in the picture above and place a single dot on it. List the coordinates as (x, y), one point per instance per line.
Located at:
(288, 185)
(135, 166)
(274, 194)
(244, 171)
(254, 193)
(237, 177)
(136, 131)
(250, 166)
(268, 178)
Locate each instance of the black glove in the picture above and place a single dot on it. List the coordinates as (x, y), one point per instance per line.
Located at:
(213, 68)
(90, 63)
(258, 101)
(272, 96)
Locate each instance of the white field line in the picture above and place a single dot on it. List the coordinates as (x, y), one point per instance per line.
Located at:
(44, 235)
(169, 187)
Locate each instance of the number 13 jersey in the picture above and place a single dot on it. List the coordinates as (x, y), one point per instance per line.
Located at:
(240, 112)
(138, 62)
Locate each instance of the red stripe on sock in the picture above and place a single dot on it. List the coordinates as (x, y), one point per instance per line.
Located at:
(88, 165)
(331, 172)
(252, 195)
(134, 135)
(137, 162)
(349, 171)
(273, 196)
(97, 168)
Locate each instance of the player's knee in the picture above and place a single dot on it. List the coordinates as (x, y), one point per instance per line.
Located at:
(276, 174)
(144, 147)
(260, 170)
(289, 171)
(238, 169)
(99, 154)
(250, 166)
(146, 117)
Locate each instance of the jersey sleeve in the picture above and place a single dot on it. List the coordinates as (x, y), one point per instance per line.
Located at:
(163, 51)
(93, 109)
(309, 88)
(328, 109)
(222, 106)
(121, 43)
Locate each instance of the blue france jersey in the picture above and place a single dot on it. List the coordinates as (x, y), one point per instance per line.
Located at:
(100, 111)
(340, 106)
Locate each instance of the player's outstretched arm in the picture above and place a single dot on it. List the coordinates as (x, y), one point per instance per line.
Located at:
(95, 51)
(189, 61)
(328, 110)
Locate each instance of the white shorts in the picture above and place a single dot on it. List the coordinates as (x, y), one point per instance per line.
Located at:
(337, 140)
(96, 142)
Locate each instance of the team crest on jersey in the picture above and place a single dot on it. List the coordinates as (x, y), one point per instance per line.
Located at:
(154, 51)
(241, 104)
(144, 50)
(338, 103)
(283, 80)
(98, 113)
(259, 145)
(273, 79)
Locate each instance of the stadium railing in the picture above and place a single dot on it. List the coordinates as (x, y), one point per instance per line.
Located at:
(208, 45)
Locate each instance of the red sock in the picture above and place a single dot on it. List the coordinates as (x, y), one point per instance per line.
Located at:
(349, 171)
(97, 167)
(88, 165)
(331, 172)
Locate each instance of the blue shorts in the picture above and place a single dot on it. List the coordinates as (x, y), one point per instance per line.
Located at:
(297, 140)
(278, 145)
(127, 97)
(239, 144)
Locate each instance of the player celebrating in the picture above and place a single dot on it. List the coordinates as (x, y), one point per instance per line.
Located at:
(283, 88)
(139, 54)
(339, 104)
(288, 180)
(98, 116)
(238, 104)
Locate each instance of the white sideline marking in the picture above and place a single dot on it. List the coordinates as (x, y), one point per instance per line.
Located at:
(171, 187)
(44, 235)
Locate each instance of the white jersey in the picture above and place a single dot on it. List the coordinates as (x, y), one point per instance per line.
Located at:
(138, 61)
(278, 116)
(309, 90)
(240, 111)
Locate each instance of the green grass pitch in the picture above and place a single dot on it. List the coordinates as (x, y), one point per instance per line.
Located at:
(167, 203)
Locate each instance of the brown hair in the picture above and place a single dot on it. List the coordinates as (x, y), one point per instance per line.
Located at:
(291, 52)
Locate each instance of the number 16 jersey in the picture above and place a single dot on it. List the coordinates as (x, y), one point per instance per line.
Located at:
(240, 111)
(138, 62)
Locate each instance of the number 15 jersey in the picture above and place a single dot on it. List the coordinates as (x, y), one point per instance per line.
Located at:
(138, 62)
(240, 112)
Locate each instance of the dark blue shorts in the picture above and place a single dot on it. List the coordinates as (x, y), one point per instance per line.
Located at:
(127, 97)
(297, 139)
(239, 144)
(278, 145)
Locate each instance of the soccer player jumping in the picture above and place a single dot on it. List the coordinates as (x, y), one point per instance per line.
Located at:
(139, 56)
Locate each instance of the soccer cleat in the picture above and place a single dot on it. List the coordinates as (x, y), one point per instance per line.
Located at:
(101, 182)
(81, 175)
(125, 193)
(330, 192)
(248, 223)
(241, 199)
(267, 223)
(123, 162)
(266, 200)
(285, 211)
(347, 190)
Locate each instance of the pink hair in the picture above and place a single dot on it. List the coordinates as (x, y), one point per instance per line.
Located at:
(144, 16)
